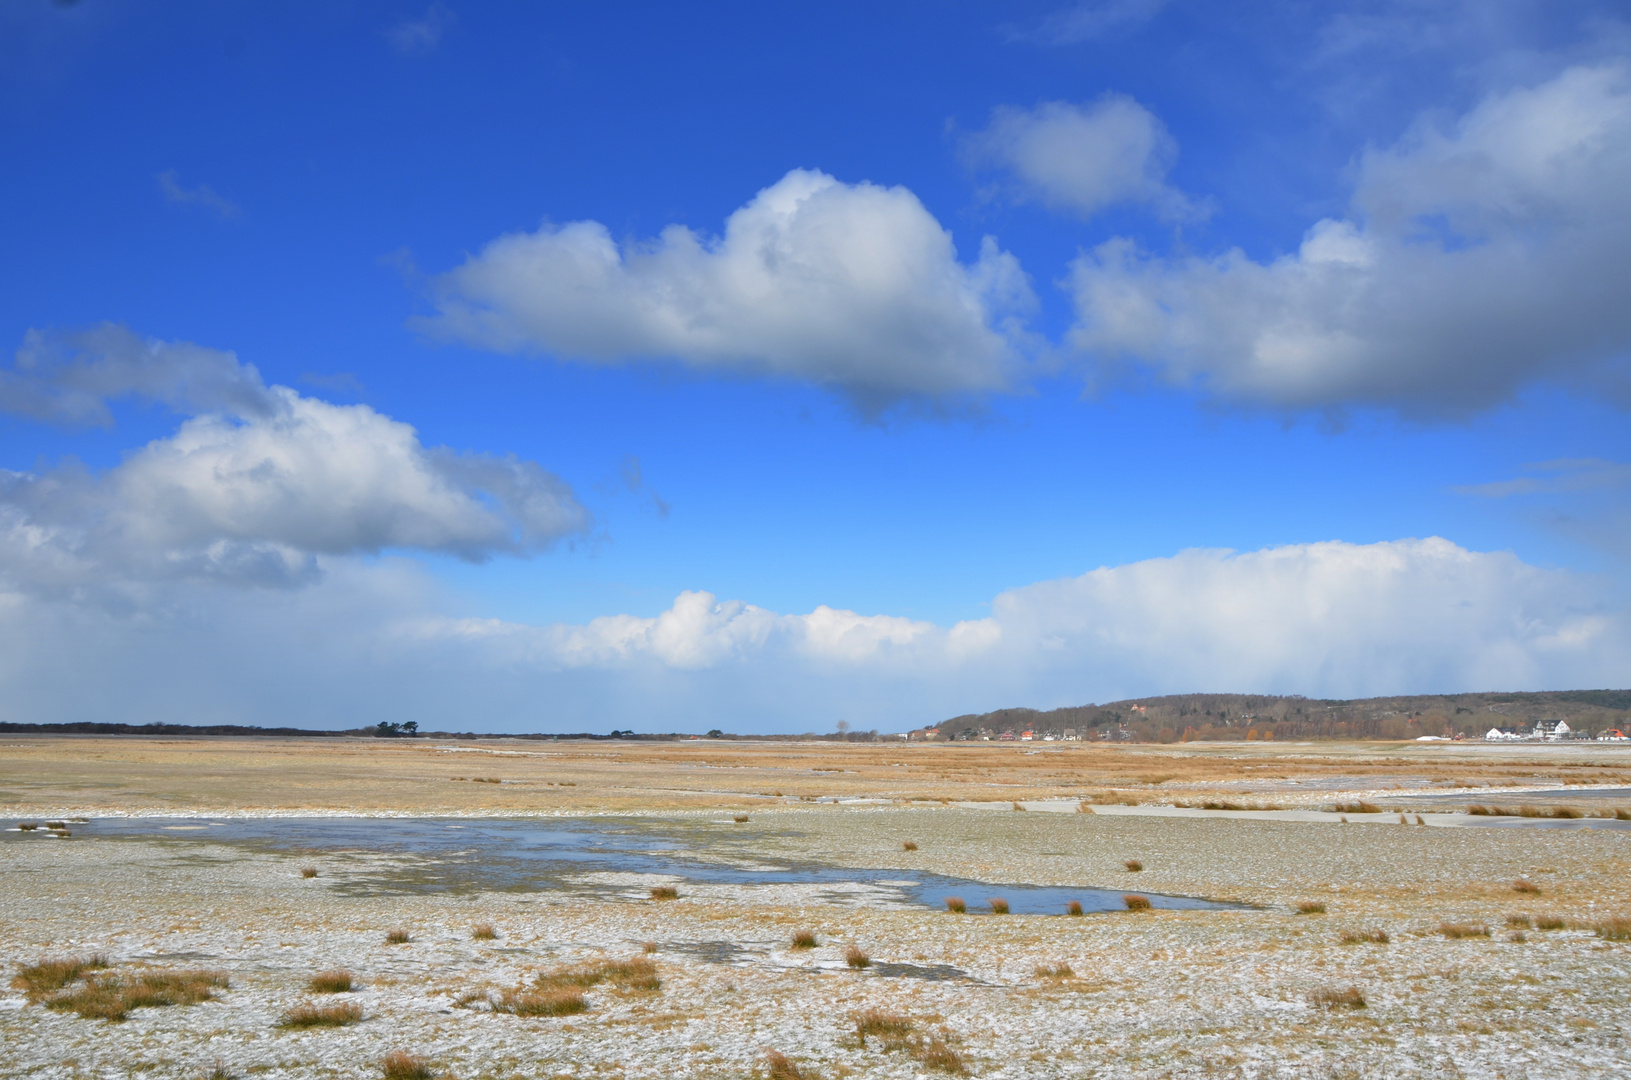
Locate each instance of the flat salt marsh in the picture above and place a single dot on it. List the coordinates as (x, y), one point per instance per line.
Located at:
(1163, 993)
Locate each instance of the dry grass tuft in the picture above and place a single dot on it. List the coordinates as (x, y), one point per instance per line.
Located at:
(1524, 885)
(1017, 806)
(1347, 997)
(649, 947)
(910, 845)
(308, 871)
(779, 1067)
(1360, 807)
(1523, 921)
(664, 892)
(1133, 865)
(999, 906)
(881, 1024)
(560, 1001)
(1311, 907)
(855, 958)
(1420, 820)
(1368, 936)
(942, 1058)
(1458, 931)
(399, 1065)
(315, 1016)
(1136, 903)
(27, 826)
(1084, 807)
(637, 974)
(54, 973)
(397, 937)
(741, 819)
(337, 981)
(1616, 929)
(1073, 908)
(1054, 971)
(804, 939)
(955, 905)
(113, 997)
(484, 932)
(1549, 922)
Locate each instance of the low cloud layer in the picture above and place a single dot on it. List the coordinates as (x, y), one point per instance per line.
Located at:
(853, 286)
(1480, 255)
(252, 489)
(1084, 158)
(1328, 619)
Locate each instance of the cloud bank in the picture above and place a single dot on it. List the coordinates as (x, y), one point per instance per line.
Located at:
(1325, 619)
(1480, 255)
(252, 489)
(853, 286)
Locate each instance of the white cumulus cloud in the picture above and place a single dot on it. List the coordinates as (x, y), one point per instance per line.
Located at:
(854, 286)
(253, 490)
(1481, 254)
(1084, 158)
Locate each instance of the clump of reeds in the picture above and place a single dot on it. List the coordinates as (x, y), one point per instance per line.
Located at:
(1054, 971)
(1074, 907)
(955, 905)
(1522, 921)
(1459, 931)
(315, 1016)
(560, 1001)
(1524, 885)
(884, 1025)
(308, 871)
(1134, 865)
(484, 932)
(1311, 907)
(54, 973)
(664, 892)
(1360, 807)
(1367, 936)
(999, 906)
(804, 939)
(1549, 922)
(1347, 997)
(779, 1067)
(397, 937)
(740, 819)
(337, 981)
(1136, 903)
(113, 997)
(400, 1065)
(1617, 928)
(855, 958)
(910, 845)
(637, 973)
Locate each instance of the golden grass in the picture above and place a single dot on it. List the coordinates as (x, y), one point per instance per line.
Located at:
(1367, 936)
(956, 905)
(1360, 807)
(558, 1001)
(1073, 908)
(1311, 907)
(113, 997)
(999, 906)
(400, 1065)
(855, 958)
(1617, 928)
(1133, 866)
(635, 974)
(941, 1058)
(910, 845)
(336, 981)
(779, 1067)
(54, 973)
(1524, 885)
(484, 932)
(1346, 997)
(308, 871)
(1460, 931)
(876, 1022)
(397, 937)
(1521, 921)
(664, 892)
(316, 1016)
(741, 819)
(1054, 971)
(804, 939)
(1550, 922)
(1136, 903)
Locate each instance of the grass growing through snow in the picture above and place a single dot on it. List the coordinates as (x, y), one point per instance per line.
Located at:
(1347, 997)
(399, 1065)
(804, 939)
(112, 997)
(896, 1033)
(484, 932)
(397, 937)
(1369, 935)
(1054, 971)
(315, 1016)
(999, 906)
(1524, 885)
(308, 871)
(664, 892)
(337, 981)
(560, 1001)
(54, 973)
(635, 974)
(1136, 903)
(779, 1067)
(1311, 907)
(1360, 807)
(955, 905)
(1460, 931)
(1615, 929)
(1549, 922)
(855, 958)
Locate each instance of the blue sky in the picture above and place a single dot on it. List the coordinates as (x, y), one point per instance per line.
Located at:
(762, 366)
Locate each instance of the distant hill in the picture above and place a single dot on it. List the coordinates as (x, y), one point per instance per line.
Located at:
(1180, 717)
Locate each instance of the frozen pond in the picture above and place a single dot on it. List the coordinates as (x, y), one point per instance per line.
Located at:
(463, 855)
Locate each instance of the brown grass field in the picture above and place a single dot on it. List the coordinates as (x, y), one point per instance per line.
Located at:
(1376, 947)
